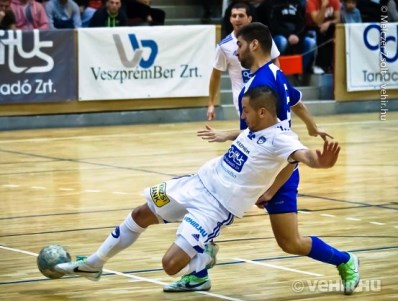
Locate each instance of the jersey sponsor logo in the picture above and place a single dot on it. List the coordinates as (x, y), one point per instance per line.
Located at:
(251, 135)
(235, 158)
(282, 128)
(196, 225)
(261, 140)
(139, 50)
(246, 75)
(158, 195)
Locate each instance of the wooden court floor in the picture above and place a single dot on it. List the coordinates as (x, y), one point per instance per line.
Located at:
(73, 186)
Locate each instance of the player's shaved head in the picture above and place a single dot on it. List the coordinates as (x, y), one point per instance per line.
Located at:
(262, 97)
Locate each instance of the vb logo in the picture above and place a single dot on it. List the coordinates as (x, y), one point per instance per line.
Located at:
(138, 57)
(16, 53)
(376, 39)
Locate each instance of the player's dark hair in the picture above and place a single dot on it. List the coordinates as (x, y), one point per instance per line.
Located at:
(256, 31)
(243, 5)
(263, 97)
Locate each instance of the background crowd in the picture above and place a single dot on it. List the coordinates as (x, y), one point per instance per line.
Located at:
(298, 26)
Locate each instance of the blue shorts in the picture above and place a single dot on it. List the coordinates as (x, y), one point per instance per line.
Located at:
(285, 200)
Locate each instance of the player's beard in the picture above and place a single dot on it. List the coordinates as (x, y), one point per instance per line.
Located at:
(246, 59)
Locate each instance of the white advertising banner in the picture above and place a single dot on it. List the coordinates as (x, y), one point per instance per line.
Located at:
(145, 62)
(372, 56)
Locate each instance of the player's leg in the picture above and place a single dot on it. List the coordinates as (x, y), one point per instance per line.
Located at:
(182, 258)
(121, 238)
(194, 275)
(199, 231)
(284, 221)
(159, 207)
(285, 229)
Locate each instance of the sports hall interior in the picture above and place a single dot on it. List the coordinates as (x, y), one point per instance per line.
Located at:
(72, 171)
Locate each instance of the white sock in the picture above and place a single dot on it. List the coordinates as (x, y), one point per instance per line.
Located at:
(122, 237)
(197, 264)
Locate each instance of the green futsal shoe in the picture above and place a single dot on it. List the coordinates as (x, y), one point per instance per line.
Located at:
(189, 283)
(349, 273)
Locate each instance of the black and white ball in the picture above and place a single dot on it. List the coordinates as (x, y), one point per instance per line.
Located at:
(49, 257)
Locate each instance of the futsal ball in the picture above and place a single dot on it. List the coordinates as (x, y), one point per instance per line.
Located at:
(49, 257)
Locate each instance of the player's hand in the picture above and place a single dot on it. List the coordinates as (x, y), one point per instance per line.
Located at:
(264, 199)
(211, 113)
(319, 132)
(328, 157)
(212, 135)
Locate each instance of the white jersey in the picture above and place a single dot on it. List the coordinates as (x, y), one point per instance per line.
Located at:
(239, 177)
(226, 59)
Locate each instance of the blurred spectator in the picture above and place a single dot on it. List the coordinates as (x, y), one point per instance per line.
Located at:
(29, 14)
(109, 16)
(63, 14)
(370, 10)
(286, 21)
(207, 11)
(88, 8)
(140, 12)
(392, 7)
(226, 26)
(7, 17)
(322, 15)
(349, 12)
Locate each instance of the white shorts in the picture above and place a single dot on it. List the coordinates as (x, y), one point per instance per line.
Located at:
(185, 199)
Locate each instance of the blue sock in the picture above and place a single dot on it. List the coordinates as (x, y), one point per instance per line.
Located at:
(321, 251)
(200, 274)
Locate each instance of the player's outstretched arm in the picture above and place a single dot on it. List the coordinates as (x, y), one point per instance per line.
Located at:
(317, 159)
(213, 135)
(301, 110)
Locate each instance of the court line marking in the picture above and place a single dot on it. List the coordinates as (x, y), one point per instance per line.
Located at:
(10, 185)
(328, 215)
(138, 278)
(377, 223)
(38, 187)
(278, 267)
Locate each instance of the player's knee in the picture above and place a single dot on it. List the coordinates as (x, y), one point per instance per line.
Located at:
(170, 265)
(290, 246)
(143, 216)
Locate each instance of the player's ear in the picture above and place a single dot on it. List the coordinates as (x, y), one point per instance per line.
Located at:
(263, 112)
(255, 44)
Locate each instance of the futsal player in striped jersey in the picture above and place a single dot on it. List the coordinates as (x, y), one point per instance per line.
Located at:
(226, 59)
(223, 188)
(280, 200)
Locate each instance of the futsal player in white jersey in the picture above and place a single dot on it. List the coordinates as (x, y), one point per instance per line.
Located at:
(280, 200)
(223, 188)
(226, 60)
